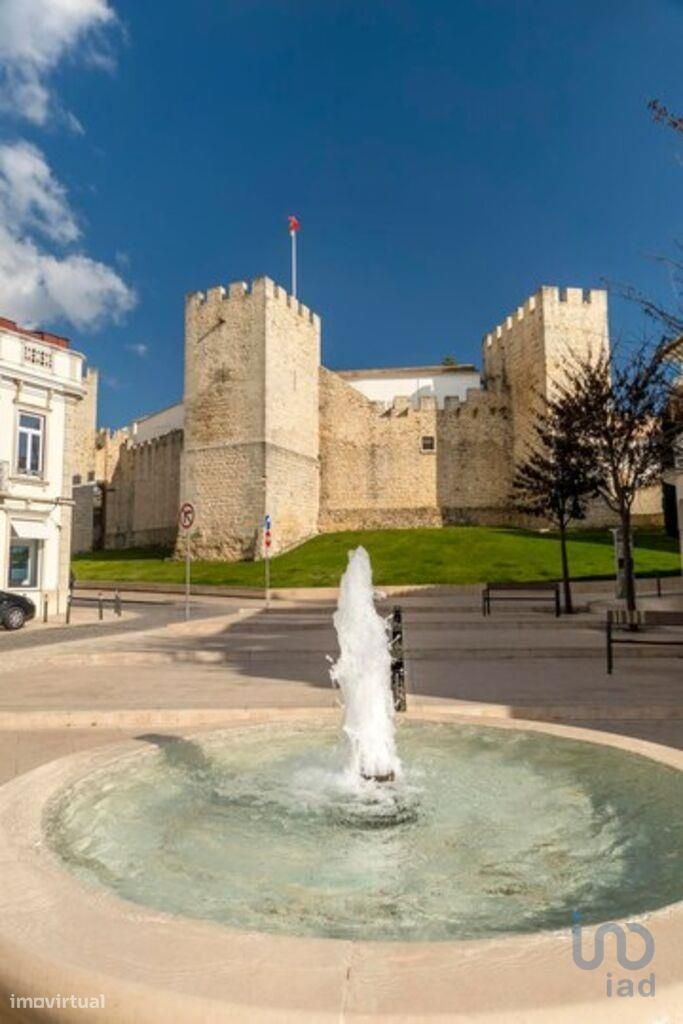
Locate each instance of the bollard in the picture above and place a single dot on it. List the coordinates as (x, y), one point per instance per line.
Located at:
(100, 607)
(659, 585)
(398, 677)
(117, 604)
(45, 608)
(68, 608)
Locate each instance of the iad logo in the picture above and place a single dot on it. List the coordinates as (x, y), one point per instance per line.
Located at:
(622, 987)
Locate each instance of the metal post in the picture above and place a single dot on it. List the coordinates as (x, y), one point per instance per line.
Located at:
(117, 604)
(659, 585)
(100, 607)
(293, 237)
(45, 608)
(187, 575)
(68, 608)
(609, 643)
(267, 570)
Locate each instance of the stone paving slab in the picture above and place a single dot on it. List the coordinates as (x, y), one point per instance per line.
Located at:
(180, 675)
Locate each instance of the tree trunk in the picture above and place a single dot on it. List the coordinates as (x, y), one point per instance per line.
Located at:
(629, 577)
(566, 581)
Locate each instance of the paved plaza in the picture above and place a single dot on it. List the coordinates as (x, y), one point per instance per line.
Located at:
(66, 688)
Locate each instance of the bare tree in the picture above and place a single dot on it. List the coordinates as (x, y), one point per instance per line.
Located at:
(556, 480)
(663, 115)
(619, 410)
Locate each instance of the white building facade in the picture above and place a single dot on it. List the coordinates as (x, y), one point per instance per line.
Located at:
(41, 381)
(414, 382)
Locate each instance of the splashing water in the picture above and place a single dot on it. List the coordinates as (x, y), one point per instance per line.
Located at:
(363, 674)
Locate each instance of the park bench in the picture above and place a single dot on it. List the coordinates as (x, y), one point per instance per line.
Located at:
(519, 592)
(634, 622)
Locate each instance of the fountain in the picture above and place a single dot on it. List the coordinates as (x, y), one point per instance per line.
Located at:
(363, 674)
(267, 872)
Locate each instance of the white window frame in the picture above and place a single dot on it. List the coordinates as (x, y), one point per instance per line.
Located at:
(32, 434)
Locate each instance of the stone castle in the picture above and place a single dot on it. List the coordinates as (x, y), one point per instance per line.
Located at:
(265, 428)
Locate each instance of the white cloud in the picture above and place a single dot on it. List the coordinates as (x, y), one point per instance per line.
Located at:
(35, 35)
(36, 285)
(138, 350)
(30, 197)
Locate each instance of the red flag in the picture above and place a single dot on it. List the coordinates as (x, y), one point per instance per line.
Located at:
(293, 222)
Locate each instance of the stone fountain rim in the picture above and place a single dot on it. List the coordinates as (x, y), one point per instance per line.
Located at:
(57, 934)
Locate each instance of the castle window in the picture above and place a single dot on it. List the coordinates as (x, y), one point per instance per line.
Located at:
(428, 443)
(563, 294)
(91, 476)
(77, 480)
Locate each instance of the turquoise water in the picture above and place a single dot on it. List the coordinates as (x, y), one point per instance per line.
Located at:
(487, 832)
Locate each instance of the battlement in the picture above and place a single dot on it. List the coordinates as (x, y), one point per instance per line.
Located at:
(544, 298)
(171, 437)
(401, 405)
(239, 291)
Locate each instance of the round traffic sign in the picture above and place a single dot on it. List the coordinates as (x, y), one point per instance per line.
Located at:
(186, 517)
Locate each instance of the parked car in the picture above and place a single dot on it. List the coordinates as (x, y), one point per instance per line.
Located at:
(15, 610)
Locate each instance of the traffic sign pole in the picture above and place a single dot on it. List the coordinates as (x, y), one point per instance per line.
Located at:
(186, 519)
(267, 523)
(187, 575)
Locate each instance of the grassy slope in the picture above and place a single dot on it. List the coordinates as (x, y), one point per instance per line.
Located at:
(460, 554)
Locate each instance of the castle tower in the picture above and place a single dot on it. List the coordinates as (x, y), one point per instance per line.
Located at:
(526, 355)
(252, 358)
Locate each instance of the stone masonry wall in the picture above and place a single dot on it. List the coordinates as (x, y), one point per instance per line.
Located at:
(85, 429)
(292, 414)
(83, 518)
(267, 429)
(251, 418)
(375, 473)
(524, 357)
(143, 494)
(474, 466)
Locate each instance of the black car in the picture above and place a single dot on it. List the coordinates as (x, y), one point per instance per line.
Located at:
(15, 610)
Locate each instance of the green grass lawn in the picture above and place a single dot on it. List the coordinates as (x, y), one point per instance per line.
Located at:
(456, 554)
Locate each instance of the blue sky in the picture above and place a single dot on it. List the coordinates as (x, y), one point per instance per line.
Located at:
(445, 159)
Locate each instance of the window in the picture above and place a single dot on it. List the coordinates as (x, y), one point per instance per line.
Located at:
(428, 443)
(77, 480)
(23, 563)
(30, 444)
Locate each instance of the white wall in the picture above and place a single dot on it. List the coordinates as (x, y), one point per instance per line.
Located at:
(158, 423)
(441, 386)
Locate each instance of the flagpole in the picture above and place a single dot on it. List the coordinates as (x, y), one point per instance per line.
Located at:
(293, 237)
(293, 228)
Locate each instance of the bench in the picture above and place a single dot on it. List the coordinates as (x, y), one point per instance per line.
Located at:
(520, 592)
(633, 622)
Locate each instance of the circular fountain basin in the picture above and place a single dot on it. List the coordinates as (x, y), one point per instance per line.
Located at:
(243, 875)
(485, 833)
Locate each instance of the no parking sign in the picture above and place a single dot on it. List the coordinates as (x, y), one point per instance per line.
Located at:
(186, 515)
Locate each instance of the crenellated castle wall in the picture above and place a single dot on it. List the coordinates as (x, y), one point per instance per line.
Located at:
(143, 493)
(376, 471)
(269, 430)
(373, 473)
(524, 358)
(251, 418)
